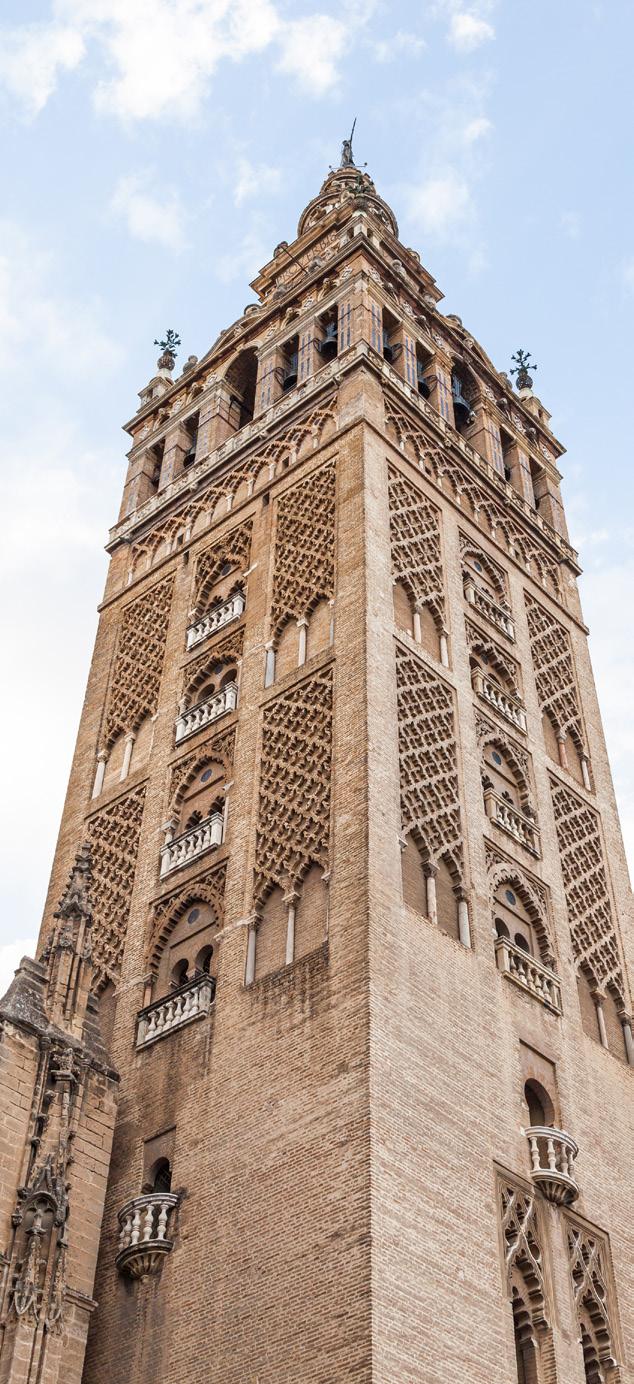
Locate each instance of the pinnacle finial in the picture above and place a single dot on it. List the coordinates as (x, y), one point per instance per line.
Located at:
(168, 349)
(523, 367)
(75, 900)
(347, 158)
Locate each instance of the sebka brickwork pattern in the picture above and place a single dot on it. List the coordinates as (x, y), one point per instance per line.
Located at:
(207, 888)
(416, 550)
(136, 676)
(430, 792)
(554, 671)
(594, 1296)
(232, 550)
(114, 836)
(304, 548)
(594, 939)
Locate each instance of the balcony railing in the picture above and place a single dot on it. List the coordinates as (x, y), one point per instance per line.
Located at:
(508, 706)
(552, 1163)
(143, 1234)
(512, 821)
(191, 1001)
(183, 849)
(530, 974)
(207, 711)
(216, 619)
(489, 608)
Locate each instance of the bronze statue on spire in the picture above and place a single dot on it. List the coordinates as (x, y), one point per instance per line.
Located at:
(347, 159)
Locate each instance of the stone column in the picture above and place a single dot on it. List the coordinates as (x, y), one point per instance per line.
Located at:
(127, 755)
(463, 922)
(302, 626)
(100, 773)
(430, 883)
(269, 666)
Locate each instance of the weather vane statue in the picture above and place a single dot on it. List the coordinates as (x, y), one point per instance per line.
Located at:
(347, 160)
(523, 367)
(168, 349)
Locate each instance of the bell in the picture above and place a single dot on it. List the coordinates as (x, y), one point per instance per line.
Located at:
(388, 353)
(190, 455)
(423, 387)
(329, 347)
(463, 412)
(289, 379)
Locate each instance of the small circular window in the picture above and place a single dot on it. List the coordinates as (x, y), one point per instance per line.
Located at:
(478, 566)
(497, 758)
(510, 896)
(204, 778)
(193, 916)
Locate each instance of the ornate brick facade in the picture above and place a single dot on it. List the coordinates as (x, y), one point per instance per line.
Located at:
(356, 909)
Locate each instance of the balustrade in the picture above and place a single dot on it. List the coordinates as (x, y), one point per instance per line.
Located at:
(489, 608)
(507, 705)
(191, 1001)
(143, 1233)
(216, 619)
(553, 1153)
(201, 715)
(187, 847)
(512, 820)
(530, 974)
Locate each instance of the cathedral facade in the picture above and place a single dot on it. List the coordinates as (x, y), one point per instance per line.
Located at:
(324, 1069)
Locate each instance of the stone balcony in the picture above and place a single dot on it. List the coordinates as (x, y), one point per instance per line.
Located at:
(512, 820)
(485, 605)
(216, 619)
(552, 1154)
(529, 974)
(205, 712)
(143, 1234)
(503, 702)
(191, 1001)
(181, 850)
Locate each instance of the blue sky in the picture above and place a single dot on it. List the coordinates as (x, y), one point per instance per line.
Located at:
(155, 151)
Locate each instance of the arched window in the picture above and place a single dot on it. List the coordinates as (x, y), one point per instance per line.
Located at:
(539, 1105)
(502, 777)
(159, 1178)
(189, 948)
(241, 378)
(180, 973)
(203, 796)
(461, 393)
(204, 960)
(515, 921)
(525, 1357)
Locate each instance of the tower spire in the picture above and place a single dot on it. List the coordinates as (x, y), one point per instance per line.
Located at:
(347, 157)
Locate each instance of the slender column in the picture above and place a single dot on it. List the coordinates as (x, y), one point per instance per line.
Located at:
(302, 626)
(444, 649)
(463, 923)
(430, 880)
(627, 1035)
(250, 967)
(269, 667)
(331, 632)
(563, 757)
(127, 755)
(418, 633)
(601, 1021)
(291, 903)
(585, 771)
(225, 812)
(100, 773)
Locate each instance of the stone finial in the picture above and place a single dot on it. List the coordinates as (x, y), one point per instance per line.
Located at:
(169, 351)
(74, 905)
(522, 368)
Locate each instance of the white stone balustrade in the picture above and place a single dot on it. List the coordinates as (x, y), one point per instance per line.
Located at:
(530, 974)
(191, 1001)
(552, 1154)
(512, 821)
(508, 706)
(210, 710)
(485, 604)
(187, 847)
(216, 619)
(143, 1233)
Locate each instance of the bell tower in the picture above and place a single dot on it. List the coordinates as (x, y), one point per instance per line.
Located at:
(360, 924)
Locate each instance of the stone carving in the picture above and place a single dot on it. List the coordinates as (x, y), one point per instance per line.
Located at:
(198, 672)
(430, 793)
(304, 571)
(415, 540)
(554, 671)
(522, 1248)
(480, 643)
(490, 734)
(216, 499)
(114, 838)
(493, 573)
(134, 687)
(294, 808)
(594, 940)
(591, 1283)
(501, 870)
(440, 464)
(218, 747)
(210, 888)
(232, 549)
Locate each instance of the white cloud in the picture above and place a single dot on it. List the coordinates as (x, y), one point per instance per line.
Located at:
(401, 44)
(628, 275)
(161, 55)
(477, 129)
(440, 204)
(153, 218)
(253, 180)
(311, 48)
(251, 252)
(467, 31)
(11, 954)
(32, 58)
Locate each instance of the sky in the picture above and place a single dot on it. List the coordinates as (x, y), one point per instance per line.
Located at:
(153, 154)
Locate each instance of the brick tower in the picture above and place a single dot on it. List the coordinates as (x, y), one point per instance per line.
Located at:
(359, 897)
